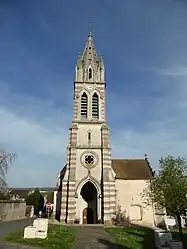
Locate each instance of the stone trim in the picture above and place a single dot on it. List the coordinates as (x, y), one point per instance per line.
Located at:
(108, 185)
(88, 121)
(72, 191)
(106, 210)
(98, 84)
(70, 183)
(90, 147)
(109, 202)
(69, 208)
(85, 180)
(109, 196)
(112, 191)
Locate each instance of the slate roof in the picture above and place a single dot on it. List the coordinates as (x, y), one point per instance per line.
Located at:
(132, 169)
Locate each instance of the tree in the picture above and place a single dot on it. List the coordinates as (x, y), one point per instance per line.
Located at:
(49, 196)
(168, 189)
(6, 159)
(35, 199)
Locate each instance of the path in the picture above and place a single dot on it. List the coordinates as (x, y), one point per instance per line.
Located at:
(93, 237)
(13, 226)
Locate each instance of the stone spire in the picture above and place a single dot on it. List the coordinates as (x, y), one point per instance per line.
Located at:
(89, 56)
(90, 67)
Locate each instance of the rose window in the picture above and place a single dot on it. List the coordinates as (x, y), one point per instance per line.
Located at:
(89, 159)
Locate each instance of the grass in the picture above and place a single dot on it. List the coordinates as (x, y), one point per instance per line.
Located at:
(133, 238)
(59, 237)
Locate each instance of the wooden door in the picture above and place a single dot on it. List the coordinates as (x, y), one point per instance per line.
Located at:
(84, 218)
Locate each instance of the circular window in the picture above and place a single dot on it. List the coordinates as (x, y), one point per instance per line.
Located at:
(89, 159)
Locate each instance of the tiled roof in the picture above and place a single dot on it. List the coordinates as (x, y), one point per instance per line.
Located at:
(132, 169)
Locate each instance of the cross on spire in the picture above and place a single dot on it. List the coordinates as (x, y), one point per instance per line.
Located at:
(90, 29)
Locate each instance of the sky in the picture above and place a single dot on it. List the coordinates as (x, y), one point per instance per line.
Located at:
(144, 46)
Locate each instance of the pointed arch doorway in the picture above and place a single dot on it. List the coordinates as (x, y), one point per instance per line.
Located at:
(89, 194)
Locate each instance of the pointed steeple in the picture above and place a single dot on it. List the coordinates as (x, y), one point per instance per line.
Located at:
(89, 63)
(89, 55)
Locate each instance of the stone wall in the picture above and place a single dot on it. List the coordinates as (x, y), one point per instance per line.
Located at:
(12, 210)
(133, 203)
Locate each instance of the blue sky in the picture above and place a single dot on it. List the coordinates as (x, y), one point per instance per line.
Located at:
(145, 56)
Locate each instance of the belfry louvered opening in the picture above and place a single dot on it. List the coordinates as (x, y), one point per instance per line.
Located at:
(90, 73)
(84, 106)
(95, 106)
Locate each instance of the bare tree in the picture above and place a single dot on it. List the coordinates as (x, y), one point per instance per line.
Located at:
(6, 159)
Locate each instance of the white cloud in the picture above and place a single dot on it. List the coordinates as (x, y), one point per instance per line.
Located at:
(175, 71)
(41, 140)
(38, 133)
(165, 128)
(162, 139)
(38, 138)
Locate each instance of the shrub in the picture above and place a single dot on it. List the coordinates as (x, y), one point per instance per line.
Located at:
(120, 218)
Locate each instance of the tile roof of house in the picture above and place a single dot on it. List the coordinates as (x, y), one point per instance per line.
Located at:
(132, 169)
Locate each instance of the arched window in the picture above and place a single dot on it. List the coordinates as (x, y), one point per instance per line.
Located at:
(95, 106)
(84, 106)
(90, 73)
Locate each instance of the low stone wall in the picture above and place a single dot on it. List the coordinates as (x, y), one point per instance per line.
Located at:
(12, 210)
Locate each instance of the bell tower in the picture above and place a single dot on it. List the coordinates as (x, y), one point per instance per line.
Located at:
(88, 187)
(90, 79)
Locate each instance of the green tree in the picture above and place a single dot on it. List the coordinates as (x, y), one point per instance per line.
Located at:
(6, 159)
(168, 188)
(49, 196)
(35, 199)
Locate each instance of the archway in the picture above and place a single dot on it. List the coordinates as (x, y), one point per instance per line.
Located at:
(89, 194)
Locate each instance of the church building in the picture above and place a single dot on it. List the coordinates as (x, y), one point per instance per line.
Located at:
(92, 184)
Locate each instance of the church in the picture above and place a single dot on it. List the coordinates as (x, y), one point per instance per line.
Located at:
(92, 184)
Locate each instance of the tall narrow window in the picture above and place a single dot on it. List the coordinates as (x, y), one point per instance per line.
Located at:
(95, 106)
(89, 137)
(84, 106)
(90, 73)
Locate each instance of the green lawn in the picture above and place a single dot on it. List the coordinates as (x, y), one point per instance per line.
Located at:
(59, 237)
(133, 238)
